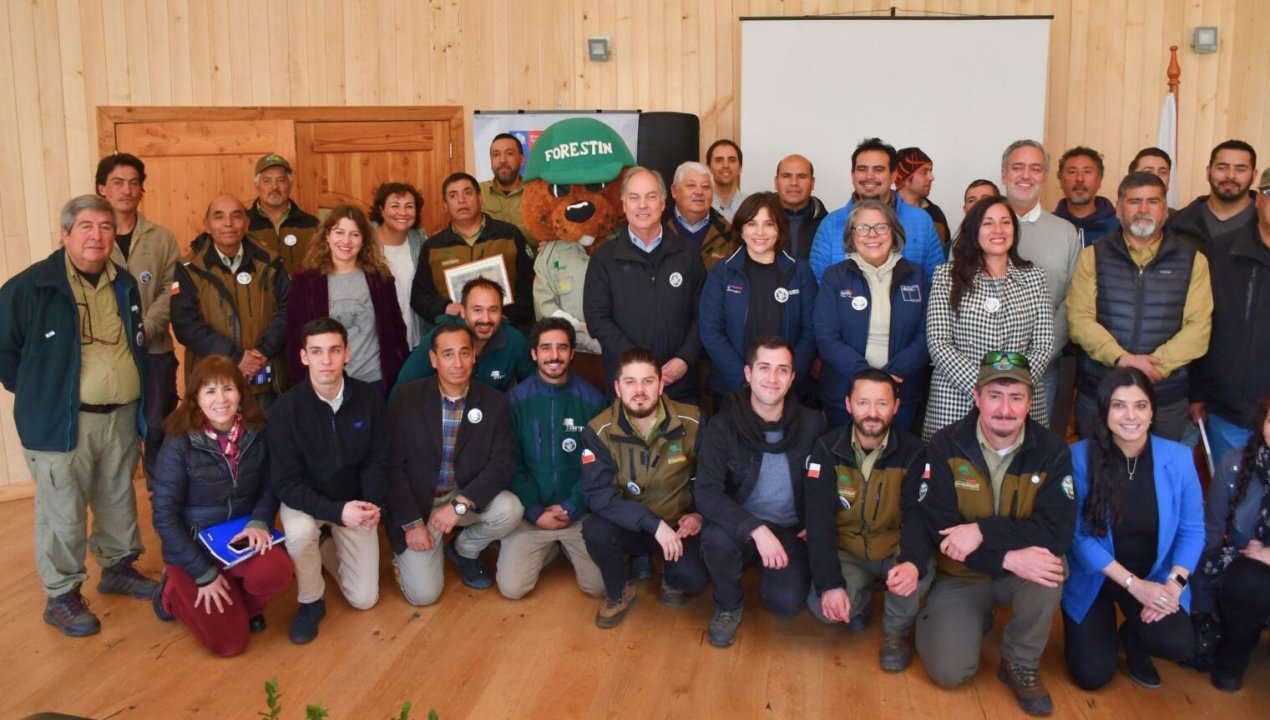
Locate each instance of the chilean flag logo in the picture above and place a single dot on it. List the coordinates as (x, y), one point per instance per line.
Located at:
(587, 457)
(813, 470)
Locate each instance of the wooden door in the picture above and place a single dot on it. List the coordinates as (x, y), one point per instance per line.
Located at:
(343, 162)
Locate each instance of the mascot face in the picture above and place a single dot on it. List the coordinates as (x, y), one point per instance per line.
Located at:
(576, 213)
(573, 182)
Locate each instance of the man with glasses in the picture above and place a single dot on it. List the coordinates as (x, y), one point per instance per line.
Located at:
(73, 353)
(1234, 374)
(1141, 299)
(997, 497)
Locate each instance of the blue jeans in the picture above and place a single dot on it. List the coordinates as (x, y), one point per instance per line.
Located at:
(1224, 435)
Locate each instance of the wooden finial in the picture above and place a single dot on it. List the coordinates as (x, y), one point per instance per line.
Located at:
(1175, 70)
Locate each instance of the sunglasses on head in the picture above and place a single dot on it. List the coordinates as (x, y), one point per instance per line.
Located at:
(1005, 361)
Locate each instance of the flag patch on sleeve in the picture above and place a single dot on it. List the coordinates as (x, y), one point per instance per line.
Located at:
(813, 470)
(587, 457)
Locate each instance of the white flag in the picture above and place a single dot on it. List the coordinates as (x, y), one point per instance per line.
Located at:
(1166, 140)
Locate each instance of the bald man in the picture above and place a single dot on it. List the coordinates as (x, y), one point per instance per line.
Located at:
(794, 182)
(230, 298)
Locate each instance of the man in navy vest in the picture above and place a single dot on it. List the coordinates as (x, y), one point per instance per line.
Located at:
(1140, 299)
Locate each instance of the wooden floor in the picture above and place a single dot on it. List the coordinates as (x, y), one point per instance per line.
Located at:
(476, 655)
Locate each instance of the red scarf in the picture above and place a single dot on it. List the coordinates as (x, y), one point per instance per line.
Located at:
(227, 442)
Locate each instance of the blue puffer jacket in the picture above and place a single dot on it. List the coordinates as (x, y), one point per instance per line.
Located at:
(193, 489)
(842, 329)
(725, 308)
(921, 242)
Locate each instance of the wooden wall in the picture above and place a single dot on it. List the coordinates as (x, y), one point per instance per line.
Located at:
(60, 59)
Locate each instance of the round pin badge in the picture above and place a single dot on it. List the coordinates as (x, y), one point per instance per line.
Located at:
(290, 240)
(782, 295)
(475, 415)
(244, 278)
(569, 445)
(141, 338)
(145, 277)
(632, 488)
(859, 302)
(676, 279)
(845, 503)
(1036, 479)
(991, 305)
(921, 491)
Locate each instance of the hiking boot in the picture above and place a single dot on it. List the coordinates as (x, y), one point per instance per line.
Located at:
(256, 624)
(305, 626)
(672, 596)
(473, 572)
(156, 600)
(69, 613)
(1031, 695)
(1227, 684)
(611, 612)
(1138, 665)
(723, 626)
(896, 653)
(123, 579)
(641, 568)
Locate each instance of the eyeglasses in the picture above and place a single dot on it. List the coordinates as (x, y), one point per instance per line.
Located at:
(86, 334)
(1005, 361)
(877, 229)
(1265, 191)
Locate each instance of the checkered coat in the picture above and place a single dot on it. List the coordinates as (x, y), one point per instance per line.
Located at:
(1023, 323)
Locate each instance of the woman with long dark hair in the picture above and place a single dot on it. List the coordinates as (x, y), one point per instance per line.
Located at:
(1139, 535)
(1235, 576)
(348, 279)
(214, 466)
(985, 299)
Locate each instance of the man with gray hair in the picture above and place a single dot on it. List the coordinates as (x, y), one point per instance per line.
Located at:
(73, 353)
(642, 289)
(1053, 244)
(692, 217)
(1141, 299)
(277, 224)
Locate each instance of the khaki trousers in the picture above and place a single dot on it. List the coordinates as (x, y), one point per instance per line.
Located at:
(354, 562)
(528, 549)
(97, 474)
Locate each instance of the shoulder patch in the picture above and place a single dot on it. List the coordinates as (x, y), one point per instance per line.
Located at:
(587, 457)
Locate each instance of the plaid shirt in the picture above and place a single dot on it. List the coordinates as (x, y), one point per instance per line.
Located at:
(451, 418)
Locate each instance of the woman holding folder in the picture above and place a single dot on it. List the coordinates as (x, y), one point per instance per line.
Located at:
(214, 467)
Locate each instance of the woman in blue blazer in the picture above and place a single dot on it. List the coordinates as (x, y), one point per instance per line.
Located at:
(1139, 535)
(871, 312)
(758, 290)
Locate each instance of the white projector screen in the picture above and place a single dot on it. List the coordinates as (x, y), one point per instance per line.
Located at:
(960, 89)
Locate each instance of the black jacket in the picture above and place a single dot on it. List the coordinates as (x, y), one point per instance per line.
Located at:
(728, 468)
(322, 459)
(193, 489)
(1190, 219)
(1235, 372)
(800, 247)
(646, 299)
(484, 455)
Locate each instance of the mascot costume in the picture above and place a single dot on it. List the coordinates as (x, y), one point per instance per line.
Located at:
(572, 194)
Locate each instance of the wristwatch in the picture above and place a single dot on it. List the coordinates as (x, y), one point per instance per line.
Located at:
(460, 508)
(1128, 581)
(1181, 581)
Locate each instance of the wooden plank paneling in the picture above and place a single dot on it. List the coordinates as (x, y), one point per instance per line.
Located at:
(175, 139)
(61, 59)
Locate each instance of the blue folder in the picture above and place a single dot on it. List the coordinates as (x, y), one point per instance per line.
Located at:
(216, 539)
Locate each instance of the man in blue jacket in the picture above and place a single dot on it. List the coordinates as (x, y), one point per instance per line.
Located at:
(73, 353)
(872, 167)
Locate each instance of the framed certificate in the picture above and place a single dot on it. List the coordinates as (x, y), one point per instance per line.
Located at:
(493, 268)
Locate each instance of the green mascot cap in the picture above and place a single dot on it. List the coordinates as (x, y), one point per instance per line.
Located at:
(578, 151)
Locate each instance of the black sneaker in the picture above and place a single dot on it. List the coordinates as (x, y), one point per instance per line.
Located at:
(723, 626)
(860, 622)
(672, 596)
(641, 567)
(123, 579)
(1227, 684)
(473, 572)
(69, 613)
(1138, 665)
(256, 624)
(156, 600)
(305, 626)
(1031, 695)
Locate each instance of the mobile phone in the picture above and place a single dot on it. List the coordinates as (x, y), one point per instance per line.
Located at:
(240, 545)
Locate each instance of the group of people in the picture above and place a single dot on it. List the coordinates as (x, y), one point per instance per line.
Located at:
(847, 399)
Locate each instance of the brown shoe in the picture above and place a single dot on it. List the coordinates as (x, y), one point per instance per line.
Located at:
(1031, 695)
(611, 612)
(896, 653)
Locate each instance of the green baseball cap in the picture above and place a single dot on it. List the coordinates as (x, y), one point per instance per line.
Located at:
(272, 160)
(578, 151)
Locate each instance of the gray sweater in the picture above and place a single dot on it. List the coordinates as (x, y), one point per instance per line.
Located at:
(1053, 245)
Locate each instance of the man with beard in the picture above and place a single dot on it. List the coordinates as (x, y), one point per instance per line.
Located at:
(1080, 172)
(549, 411)
(862, 519)
(1141, 299)
(502, 352)
(501, 196)
(639, 459)
(1228, 207)
(1001, 504)
(749, 493)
